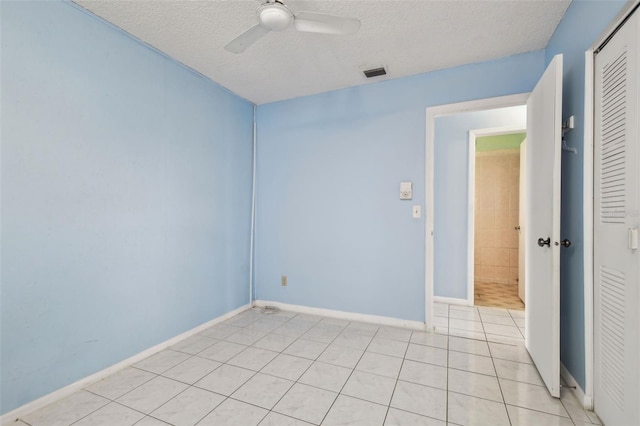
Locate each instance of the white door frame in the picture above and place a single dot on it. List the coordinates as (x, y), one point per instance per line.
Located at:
(432, 114)
(588, 225)
(471, 214)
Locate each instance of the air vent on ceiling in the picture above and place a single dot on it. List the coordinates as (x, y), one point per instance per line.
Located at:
(375, 72)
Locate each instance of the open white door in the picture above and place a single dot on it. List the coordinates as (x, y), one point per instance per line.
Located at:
(542, 233)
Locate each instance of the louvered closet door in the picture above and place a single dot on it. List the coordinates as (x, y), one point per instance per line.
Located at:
(616, 262)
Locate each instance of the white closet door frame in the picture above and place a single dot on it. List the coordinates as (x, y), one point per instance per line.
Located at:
(588, 164)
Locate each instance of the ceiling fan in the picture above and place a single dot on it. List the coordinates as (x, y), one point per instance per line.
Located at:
(276, 16)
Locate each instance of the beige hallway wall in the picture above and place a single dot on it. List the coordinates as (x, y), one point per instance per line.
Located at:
(496, 216)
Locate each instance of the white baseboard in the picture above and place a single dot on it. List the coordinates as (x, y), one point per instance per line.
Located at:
(452, 301)
(587, 402)
(351, 316)
(61, 393)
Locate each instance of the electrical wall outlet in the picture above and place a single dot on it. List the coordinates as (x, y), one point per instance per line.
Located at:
(283, 282)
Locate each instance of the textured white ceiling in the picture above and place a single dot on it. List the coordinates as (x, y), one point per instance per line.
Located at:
(407, 36)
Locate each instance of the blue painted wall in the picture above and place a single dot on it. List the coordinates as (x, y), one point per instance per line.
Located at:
(583, 22)
(451, 192)
(126, 198)
(329, 167)
(126, 185)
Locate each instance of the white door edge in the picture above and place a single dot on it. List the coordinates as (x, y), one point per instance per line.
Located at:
(556, 225)
(542, 271)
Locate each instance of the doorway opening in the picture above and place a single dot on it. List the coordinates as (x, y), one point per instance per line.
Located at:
(450, 184)
(495, 197)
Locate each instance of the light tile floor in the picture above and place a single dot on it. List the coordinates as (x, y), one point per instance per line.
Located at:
(293, 369)
(497, 295)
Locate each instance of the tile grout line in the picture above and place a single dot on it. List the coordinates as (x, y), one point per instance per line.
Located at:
(317, 360)
(499, 379)
(116, 400)
(189, 387)
(386, 414)
(303, 373)
(97, 409)
(221, 364)
(504, 402)
(517, 326)
(225, 363)
(294, 381)
(352, 371)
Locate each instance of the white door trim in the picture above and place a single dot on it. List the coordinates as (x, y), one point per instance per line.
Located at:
(588, 225)
(471, 214)
(432, 113)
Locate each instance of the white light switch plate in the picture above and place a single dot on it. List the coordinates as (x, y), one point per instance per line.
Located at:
(417, 212)
(406, 190)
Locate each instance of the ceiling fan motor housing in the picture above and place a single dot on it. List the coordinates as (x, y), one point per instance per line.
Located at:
(275, 16)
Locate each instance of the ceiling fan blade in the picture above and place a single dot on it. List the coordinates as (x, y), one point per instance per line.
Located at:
(325, 24)
(246, 39)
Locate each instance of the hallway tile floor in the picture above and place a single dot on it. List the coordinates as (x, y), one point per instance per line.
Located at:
(294, 369)
(497, 295)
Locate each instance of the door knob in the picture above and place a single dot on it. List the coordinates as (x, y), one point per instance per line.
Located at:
(565, 242)
(542, 242)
